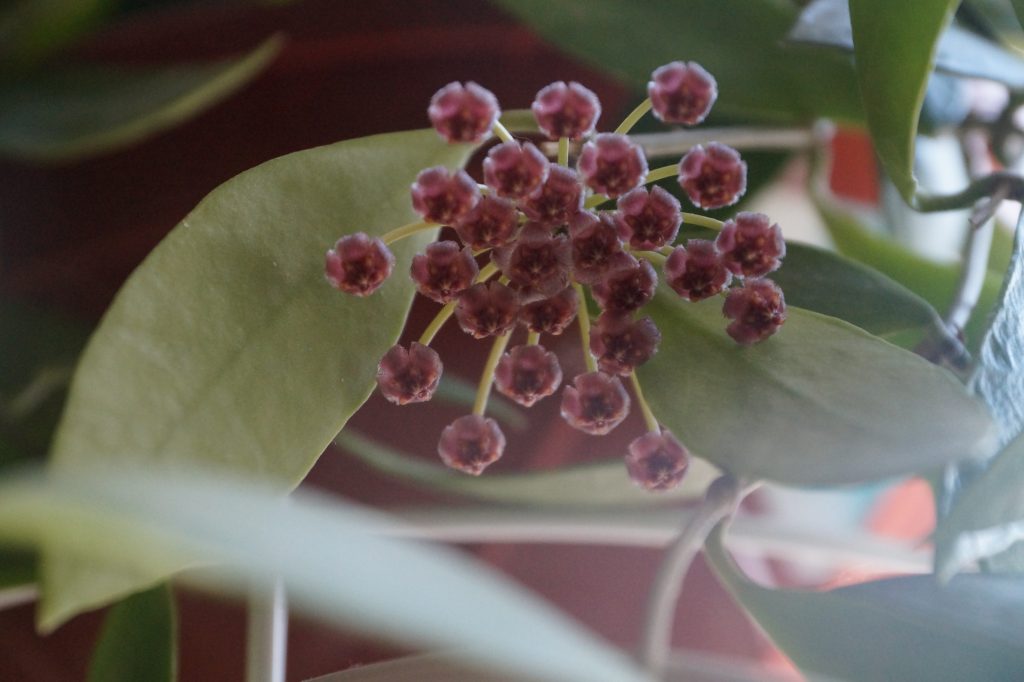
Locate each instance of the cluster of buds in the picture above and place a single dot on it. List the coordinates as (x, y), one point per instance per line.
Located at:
(533, 240)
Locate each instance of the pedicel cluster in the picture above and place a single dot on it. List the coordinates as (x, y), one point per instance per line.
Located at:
(535, 237)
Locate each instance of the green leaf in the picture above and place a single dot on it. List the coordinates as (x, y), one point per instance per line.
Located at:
(738, 41)
(827, 283)
(936, 283)
(226, 348)
(998, 377)
(67, 113)
(337, 562)
(17, 568)
(1018, 8)
(894, 48)
(820, 403)
(987, 518)
(907, 628)
(31, 30)
(138, 640)
(587, 485)
(959, 52)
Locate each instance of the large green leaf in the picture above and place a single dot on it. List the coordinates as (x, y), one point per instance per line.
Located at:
(959, 52)
(987, 518)
(900, 629)
(338, 563)
(820, 403)
(586, 485)
(827, 283)
(70, 112)
(138, 640)
(934, 282)
(894, 47)
(226, 348)
(738, 41)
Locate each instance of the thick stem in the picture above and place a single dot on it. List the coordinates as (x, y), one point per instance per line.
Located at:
(722, 498)
(267, 637)
(583, 318)
(502, 132)
(483, 391)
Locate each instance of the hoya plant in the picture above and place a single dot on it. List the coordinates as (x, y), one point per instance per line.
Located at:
(240, 348)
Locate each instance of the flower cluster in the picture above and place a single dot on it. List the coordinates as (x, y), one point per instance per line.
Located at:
(534, 238)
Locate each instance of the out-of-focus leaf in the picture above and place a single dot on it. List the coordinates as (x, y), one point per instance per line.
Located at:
(1018, 8)
(37, 352)
(139, 640)
(999, 377)
(908, 628)
(227, 349)
(31, 30)
(987, 518)
(585, 485)
(738, 41)
(70, 112)
(894, 46)
(336, 561)
(820, 403)
(936, 283)
(959, 52)
(828, 283)
(17, 568)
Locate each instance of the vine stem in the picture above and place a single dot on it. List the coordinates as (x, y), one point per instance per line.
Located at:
(721, 501)
(583, 319)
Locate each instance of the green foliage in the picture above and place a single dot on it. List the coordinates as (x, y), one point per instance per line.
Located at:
(828, 283)
(821, 403)
(69, 112)
(907, 628)
(32, 30)
(739, 41)
(226, 349)
(894, 48)
(337, 562)
(138, 640)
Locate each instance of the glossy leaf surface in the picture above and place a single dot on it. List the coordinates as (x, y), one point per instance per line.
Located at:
(908, 628)
(226, 348)
(585, 485)
(738, 41)
(338, 563)
(139, 640)
(71, 112)
(820, 403)
(894, 47)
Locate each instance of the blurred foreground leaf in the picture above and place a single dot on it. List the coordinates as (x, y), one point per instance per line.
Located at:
(335, 560)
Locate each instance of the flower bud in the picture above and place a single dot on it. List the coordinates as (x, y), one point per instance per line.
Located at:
(622, 344)
(537, 263)
(596, 403)
(595, 245)
(487, 309)
(471, 444)
(566, 110)
(443, 271)
(628, 285)
(751, 245)
(515, 171)
(682, 92)
(611, 164)
(358, 264)
(442, 196)
(492, 222)
(551, 315)
(757, 310)
(463, 113)
(409, 376)
(556, 201)
(528, 373)
(651, 219)
(657, 461)
(696, 272)
(713, 176)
